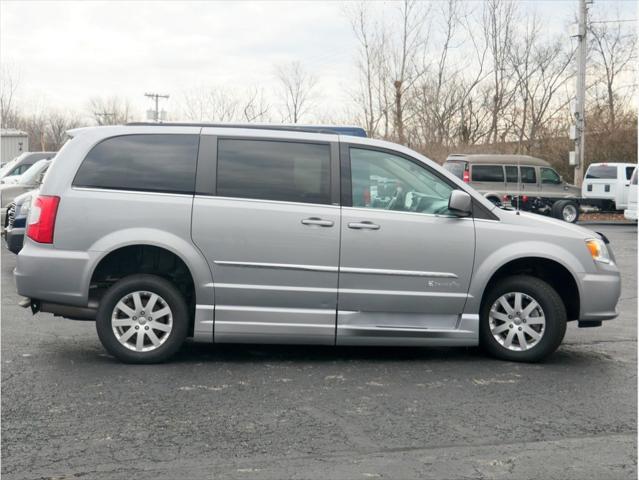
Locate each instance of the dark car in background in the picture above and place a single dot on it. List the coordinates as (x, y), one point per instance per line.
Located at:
(16, 220)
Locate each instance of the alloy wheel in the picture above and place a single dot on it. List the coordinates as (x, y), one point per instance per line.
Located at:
(517, 321)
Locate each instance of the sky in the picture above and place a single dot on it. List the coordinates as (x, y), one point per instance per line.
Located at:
(65, 52)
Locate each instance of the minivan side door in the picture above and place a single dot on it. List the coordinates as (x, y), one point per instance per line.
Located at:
(405, 261)
(266, 216)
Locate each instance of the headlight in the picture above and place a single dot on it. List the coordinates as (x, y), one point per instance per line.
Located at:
(24, 208)
(598, 250)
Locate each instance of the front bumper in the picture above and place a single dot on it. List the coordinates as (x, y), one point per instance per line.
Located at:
(599, 295)
(630, 214)
(14, 238)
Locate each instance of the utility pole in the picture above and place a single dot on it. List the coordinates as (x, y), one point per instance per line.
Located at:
(156, 97)
(578, 133)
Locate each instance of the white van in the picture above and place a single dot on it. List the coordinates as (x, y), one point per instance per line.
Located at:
(631, 212)
(607, 184)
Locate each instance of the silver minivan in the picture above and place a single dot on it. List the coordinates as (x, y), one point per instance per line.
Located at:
(269, 235)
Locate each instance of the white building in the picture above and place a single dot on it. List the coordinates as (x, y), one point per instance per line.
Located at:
(13, 143)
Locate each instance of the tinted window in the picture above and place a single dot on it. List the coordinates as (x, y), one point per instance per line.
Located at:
(629, 171)
(548, 175)
(456, 168)
(487, 173)
(511, 174)
(528, 175)
(158, 163)
(268, 170)
(633, 180)
(389, 182)
(602, 172)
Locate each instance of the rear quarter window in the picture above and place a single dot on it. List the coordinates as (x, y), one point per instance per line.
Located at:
(152, 163)
(487, 173)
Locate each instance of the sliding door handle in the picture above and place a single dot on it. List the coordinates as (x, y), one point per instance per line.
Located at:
(365, 225)
(318, 221)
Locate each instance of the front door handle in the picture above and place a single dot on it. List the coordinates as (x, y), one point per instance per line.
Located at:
(365, 225)
(318, 221)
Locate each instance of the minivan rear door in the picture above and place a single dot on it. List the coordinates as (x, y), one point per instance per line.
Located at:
(266, 216)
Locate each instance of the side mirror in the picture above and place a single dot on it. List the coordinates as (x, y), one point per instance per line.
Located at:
(460, 203)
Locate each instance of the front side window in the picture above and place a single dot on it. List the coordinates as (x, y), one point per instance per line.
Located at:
(528, 175)
(511, 174)
(487, 173)
(549, 176)
(389, 182)
(629, 171)
(633, 180)
(153, 163)
(274, 170)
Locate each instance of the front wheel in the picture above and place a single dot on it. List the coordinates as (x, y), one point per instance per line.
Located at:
(522, 319)
(142, 319)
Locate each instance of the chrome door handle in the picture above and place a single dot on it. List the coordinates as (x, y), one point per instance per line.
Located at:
(318, 221)
(365, 225)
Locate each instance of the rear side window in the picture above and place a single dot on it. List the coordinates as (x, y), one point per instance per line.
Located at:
(455, 167)
(153, 163)
(487, 173)
(604, 172)
(528, 175)
(274, 170)
(511, 174)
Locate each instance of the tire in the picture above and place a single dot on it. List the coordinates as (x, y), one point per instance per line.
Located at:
(552, 309)
(169, 330)
(566, 210)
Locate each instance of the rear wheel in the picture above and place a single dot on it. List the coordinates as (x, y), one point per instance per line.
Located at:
(566, 210)
(142, 319)
(522, 319)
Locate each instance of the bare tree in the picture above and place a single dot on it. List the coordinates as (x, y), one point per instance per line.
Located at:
(254, 105)
(212, 104)
(614, 53)
(498, 20)
(58, 124)
(110, 110)
(297, 88)
(8, 87)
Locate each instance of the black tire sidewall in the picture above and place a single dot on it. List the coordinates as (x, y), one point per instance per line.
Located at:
(554, 312)
(150, 283)
(558, 209)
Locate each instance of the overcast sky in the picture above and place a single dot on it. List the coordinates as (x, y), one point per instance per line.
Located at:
(67, 52)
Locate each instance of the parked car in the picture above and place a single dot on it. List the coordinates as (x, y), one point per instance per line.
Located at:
(16, 221)
(606, 184)
(631, 212)
(21, 164)
(29, 180)
(525, 182)
(222, 234)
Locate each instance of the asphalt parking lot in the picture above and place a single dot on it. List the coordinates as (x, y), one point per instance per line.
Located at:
(269, 412)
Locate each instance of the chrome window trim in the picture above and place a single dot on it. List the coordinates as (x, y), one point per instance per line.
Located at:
(278, 202)
(143, 192)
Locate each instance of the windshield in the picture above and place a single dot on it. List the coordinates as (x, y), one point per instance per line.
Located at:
(8, 167)
(30, 177)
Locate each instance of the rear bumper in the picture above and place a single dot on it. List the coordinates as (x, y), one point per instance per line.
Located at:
(599, 295)
(52, 275)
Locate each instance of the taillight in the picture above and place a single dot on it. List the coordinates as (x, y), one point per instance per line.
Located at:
(466, 176)
(41, 221)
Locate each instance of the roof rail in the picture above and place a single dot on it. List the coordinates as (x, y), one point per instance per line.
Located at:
(329, 129)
